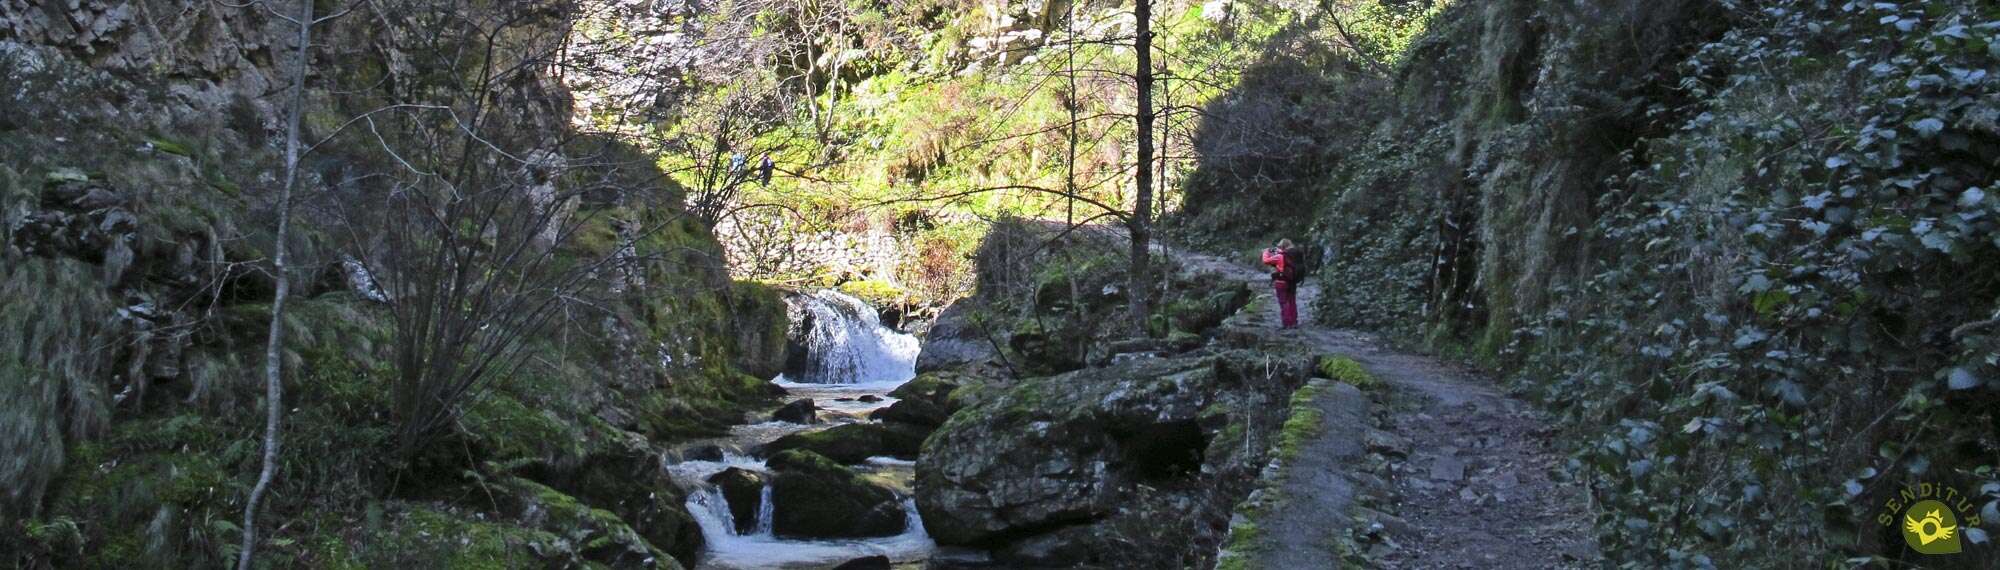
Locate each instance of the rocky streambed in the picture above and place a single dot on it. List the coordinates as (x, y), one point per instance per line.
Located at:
(1136, 459)
(825, 480)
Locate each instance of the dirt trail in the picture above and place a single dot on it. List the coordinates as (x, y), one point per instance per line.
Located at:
(1462, 480)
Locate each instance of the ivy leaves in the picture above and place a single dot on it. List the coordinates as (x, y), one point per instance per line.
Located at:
(1825, 209)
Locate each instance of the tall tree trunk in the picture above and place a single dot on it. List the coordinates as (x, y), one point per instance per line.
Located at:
(1140, 224)
(274, 345)
(1069, 165)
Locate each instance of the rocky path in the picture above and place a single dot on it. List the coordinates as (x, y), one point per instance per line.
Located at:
(1464, 477)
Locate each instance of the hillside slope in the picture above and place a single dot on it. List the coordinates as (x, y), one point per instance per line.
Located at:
(1746, 251)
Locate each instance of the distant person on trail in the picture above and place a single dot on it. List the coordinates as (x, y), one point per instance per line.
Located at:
(1287, 270)
(764, 171)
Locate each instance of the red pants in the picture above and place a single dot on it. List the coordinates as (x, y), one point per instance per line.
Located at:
(1288, 303)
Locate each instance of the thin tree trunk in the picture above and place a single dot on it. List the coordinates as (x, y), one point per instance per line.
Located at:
(274, 386)
(1069, 166)
(1142, 208)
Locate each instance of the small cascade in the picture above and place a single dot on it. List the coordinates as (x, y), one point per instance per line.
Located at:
(839, 339)
(846, 362)
(728, 550)
(764, 510)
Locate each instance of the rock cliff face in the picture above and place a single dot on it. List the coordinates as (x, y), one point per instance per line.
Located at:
(139, 150)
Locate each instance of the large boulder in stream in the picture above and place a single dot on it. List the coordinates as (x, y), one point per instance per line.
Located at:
(814, 497)
(927, 399)
(801, 411)
(1044, 471)
(855, 443)
(744, 489)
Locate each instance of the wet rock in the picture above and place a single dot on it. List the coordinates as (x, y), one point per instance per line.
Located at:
(855, 443)
(870, 398)
(702, 453)
(814, 497)
(799, 412)
(876, 562)
(744, 489)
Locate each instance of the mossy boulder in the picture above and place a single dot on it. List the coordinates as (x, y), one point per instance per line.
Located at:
(1198, 310)
(855, 443)
(1048, 346)
(935, 387)
(927, 399)
(625, 479)
(916, 412)
(744, 489)
(758, 320)
(599, 535)
(1071, 451)
(814, 497)
(801, 411)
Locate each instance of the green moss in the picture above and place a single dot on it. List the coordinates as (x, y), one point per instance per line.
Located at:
(438, 538)
(1346, 370)
(509, 428)
(876, 292)
(1305, 422)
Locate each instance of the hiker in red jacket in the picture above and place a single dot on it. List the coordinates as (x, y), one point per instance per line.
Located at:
(1286, 262)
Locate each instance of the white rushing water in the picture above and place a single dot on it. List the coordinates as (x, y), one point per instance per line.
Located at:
(851, 355)
(847, 344)
(762, 549)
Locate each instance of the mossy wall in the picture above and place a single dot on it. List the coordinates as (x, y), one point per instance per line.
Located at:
(136, 200)
(1741, 250)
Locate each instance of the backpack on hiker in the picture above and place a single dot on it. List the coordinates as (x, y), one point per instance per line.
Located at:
(1284, 264)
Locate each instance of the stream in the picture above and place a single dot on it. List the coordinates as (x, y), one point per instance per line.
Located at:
(849, 354)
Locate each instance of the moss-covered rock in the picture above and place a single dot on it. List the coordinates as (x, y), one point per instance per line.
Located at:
(598, 535)
(757, 317)
(744, 489)
(1043, 347)
(1071, 451)
(855, 443)
(814, 497)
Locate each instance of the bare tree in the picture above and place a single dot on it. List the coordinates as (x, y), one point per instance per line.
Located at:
(1139, 225)
(274, 344)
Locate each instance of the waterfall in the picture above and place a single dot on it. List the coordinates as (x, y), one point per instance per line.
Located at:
(765, 506)
(839, 352)
(838, 339)
(760, 549)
